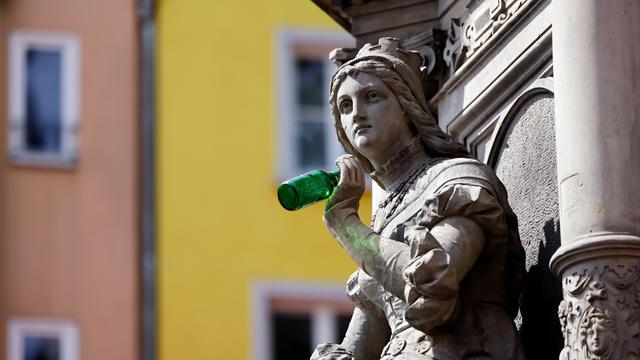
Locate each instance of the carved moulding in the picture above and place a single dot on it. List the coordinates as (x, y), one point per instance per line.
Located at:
(469, 31)
(600, 311)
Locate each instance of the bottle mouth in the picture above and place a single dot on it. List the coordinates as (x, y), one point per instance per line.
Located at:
(288, 197)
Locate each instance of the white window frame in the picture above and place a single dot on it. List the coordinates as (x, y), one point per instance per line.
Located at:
(323, 318)
(69, 47)
(18, 329)
(286, 42)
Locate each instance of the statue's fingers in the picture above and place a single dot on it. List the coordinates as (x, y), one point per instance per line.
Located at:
(351, 168)
(357, 171)
(344, 172)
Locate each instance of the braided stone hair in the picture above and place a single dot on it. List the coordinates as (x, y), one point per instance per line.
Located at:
(436, 142)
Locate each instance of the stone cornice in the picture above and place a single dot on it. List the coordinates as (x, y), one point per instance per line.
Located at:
(594, 246)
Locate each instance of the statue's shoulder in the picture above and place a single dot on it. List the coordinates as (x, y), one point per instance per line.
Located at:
(469, 171)
(435, 177)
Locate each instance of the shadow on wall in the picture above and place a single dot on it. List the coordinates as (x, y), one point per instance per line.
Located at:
(540, 328)
(526, 165)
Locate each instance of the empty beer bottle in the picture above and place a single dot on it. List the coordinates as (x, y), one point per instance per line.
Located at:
(307, 189)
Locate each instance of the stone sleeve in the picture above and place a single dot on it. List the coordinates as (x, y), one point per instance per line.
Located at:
(445, 242)
(441, 245)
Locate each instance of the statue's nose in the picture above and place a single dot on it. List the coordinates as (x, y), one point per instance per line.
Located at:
(359, 111)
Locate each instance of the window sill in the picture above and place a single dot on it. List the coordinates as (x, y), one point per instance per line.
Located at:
(44, 160)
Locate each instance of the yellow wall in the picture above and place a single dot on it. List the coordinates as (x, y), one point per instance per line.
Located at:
(219, 224)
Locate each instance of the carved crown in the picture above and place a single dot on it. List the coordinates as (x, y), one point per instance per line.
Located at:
(388, 47)
(406, 63)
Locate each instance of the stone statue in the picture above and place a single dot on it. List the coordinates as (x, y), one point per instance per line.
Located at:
(441, 267)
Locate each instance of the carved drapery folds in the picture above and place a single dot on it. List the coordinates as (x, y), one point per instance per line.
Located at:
(469, 31)
(599, 314)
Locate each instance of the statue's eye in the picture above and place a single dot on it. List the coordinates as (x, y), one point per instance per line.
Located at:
(373, 95)
(345, 106)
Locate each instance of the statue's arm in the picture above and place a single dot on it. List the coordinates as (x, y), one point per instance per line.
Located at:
(385, 260)
(367, 334)
(427, 274)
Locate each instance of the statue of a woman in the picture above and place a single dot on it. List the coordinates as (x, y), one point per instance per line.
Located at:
(441, 267)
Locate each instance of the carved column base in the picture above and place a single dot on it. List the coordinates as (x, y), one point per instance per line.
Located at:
(600, 313)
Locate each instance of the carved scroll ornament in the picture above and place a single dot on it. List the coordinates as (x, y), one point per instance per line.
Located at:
(469, 31)
(599, 314)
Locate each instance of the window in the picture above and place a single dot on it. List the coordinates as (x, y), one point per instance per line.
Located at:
(36, 339)
(43, 98)
(291, 319)
(306, 137)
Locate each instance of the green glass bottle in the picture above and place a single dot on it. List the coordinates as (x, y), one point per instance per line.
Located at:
(307, 189)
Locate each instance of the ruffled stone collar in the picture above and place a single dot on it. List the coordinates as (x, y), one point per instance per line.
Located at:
(401, 161)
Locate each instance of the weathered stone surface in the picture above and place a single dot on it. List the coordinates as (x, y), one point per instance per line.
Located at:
(599, 313)
(493, 50)
(597, 142)
(527, 166)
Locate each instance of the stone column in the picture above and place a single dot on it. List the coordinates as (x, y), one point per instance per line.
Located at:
(596, 56)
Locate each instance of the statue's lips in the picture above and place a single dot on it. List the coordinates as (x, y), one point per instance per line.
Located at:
(361, 128)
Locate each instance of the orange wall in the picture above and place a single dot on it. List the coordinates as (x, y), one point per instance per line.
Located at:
(69, 238)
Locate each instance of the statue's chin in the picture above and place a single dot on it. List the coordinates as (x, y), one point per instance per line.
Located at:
(365, 146)
(365, 140)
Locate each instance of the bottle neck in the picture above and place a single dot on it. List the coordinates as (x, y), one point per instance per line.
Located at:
(335, 176)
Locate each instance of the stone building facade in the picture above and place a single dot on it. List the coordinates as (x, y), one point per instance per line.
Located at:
(557, 121)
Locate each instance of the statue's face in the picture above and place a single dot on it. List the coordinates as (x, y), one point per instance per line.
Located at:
(598, 338)
(371, 117)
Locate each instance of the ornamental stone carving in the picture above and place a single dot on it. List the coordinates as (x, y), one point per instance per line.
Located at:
(478, 23)
(599, 314)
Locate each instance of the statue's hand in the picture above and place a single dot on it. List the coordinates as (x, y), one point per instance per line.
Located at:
(341, 214)
(351, 184)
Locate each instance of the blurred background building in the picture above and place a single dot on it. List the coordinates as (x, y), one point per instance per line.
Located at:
(69, 238)
(242, 105)
(236, 275)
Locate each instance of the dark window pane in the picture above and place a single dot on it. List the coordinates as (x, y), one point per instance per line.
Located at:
(311, 144)
(41, 348)
(291, 336)
(43, 101)
(342, 325)
(310, 82)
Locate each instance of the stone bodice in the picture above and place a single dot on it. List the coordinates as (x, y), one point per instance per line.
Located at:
(439, 318)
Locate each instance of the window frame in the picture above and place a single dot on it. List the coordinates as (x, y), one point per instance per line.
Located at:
(65, 331)
(323, 314)
(68, 45)
(287, 40)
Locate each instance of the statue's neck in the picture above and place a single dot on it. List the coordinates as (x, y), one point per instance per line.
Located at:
(398, 166)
